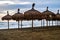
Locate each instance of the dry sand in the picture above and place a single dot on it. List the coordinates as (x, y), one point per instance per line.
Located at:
(28, 34)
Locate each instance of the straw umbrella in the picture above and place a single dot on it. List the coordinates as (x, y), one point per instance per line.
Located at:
(49, 15)
(32, 14)
(57, 17)
(18, 16)
(7, 17)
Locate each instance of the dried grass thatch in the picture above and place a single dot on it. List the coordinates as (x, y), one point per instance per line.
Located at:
(7, 17)
(17, 16)
(49, 15)
(57, 15)
(32, 14)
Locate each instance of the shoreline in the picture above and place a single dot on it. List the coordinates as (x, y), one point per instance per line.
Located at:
(35, 28)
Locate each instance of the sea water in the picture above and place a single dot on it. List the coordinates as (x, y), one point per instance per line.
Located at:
(25, 24)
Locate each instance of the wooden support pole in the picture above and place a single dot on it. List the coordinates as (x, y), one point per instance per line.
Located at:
(8, 24)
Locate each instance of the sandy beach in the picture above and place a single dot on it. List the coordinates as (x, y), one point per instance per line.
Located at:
(47, 33)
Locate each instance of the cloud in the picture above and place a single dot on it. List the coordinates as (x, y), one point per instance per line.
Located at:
(6, 2)
(24, 4)
(12, 2)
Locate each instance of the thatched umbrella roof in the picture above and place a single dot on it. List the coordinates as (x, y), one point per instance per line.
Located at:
(57, 15)
(7, 17)
(18, 16)
(32, 13)
(49, 15)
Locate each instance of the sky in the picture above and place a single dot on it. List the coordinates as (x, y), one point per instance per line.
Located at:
(24, 5)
